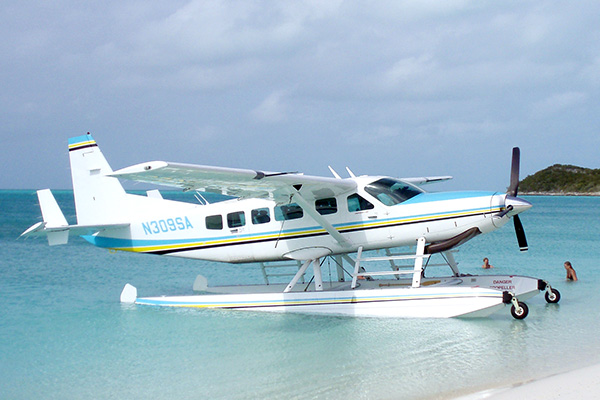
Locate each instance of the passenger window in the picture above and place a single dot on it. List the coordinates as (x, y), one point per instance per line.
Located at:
(357, 203)
(326, 206)
(287, 212)
(214, 222)
(236, 219)
(260, 216)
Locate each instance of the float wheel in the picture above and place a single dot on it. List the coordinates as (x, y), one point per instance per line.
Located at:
(553, 297)
(521, 312)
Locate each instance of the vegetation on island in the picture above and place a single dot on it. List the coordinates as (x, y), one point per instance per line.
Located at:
(562, 179)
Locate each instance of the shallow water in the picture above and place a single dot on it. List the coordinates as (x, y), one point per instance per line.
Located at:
(64, 334)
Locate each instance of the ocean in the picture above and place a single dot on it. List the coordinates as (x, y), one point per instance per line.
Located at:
(64, 334)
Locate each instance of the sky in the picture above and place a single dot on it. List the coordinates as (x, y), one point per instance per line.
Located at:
(397, 88)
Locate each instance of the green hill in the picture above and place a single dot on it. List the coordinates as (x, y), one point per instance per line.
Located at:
(562, 179)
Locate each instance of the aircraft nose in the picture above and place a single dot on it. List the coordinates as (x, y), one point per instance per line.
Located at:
(517, 204)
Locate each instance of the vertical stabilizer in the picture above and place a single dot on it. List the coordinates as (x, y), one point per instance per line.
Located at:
(53, 218)
(99, 199)
(51, 213)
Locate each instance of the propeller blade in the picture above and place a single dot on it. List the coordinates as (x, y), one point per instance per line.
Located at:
(520, 233)
(514, 172)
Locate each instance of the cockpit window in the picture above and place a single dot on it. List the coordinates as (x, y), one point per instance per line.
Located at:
(391, 191)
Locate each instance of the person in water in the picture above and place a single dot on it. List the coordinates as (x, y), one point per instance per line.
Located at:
(486, 264)
(571, 275)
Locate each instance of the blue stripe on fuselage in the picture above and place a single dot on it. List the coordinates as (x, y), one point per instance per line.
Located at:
(108, 242)
(442, 196)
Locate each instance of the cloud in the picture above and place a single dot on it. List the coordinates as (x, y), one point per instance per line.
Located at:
(354, 77)
(374, 137)
(408, 73)
(557, 103)
(214, 43)
(591, 71)
(272, 109)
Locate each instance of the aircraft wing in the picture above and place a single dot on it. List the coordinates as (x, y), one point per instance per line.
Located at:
(426, 179)
(236, 182)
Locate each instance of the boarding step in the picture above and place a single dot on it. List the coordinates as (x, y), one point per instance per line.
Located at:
(391, 257)
(384, 273)
(417, 268)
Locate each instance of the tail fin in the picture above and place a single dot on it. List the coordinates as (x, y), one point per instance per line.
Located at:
(51, 212)
(99, 199)
(54, 226)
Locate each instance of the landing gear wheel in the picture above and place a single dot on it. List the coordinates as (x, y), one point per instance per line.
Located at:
(521, 312)
(553, 297)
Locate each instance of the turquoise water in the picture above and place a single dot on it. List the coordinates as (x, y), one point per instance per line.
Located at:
(64, 334)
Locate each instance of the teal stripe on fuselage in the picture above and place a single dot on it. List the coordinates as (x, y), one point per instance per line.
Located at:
(108, 242)
(399, 220)
(102, 241)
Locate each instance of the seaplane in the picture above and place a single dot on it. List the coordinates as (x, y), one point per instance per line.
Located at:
(278, 218)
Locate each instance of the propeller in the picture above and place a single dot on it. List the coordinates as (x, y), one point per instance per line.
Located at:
(521, 239)
(514, 172)
(511, 197)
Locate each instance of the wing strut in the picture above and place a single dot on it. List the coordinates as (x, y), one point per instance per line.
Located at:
(320, 220)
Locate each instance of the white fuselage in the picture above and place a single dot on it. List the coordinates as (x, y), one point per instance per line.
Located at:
(253, 230)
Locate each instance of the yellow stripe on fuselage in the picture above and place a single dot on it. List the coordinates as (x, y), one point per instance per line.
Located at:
(296, 234)
(414, 219)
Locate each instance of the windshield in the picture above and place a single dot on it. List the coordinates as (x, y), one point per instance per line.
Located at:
(392, 191)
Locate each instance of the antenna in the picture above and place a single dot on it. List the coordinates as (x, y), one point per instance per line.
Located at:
(335, 174)
(351, 173)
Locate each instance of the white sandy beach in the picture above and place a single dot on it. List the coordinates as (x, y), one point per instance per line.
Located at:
(582, 383)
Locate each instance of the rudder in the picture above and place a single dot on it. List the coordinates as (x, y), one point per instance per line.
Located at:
(99, 199)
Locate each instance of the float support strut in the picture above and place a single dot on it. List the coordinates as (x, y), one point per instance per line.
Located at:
(418, 262)
(298, 275)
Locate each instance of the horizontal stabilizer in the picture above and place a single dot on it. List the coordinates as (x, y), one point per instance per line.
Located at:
(41, 229)
(55, 225)
(60, 234)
